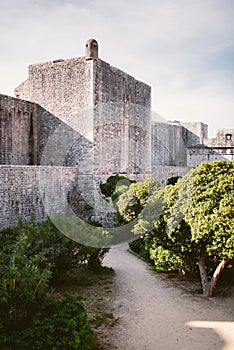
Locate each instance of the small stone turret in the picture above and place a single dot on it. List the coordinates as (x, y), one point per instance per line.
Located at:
(91, 49)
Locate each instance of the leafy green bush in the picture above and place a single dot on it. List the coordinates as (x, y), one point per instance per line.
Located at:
(90, 233)
(138, 246)
(163, 259)
(24, 278)
(31, 257)
(131, 203)
(110, 186)
(62, 325)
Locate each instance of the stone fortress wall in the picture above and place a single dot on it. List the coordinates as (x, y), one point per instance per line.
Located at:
(104, 104)
(122, 122)
(62, 87)
(75, 122)
(24, 191)
(24, 130)
(31, 135)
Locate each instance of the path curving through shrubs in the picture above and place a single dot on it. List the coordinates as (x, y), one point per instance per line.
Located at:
(155, 314)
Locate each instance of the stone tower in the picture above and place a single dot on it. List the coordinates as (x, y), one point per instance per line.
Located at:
(107, 106)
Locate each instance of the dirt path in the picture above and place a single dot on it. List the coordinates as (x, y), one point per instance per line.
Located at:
(154, 314)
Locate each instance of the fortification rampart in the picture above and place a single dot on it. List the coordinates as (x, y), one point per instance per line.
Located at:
(168, 145)
(24, 192)
(105, 105)
(194, 133)
(18, 139)
(122, 122)
(30, 135)
(74, 123)
(61, 86)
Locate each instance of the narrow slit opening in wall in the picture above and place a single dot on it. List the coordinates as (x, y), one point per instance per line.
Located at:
(127, 99)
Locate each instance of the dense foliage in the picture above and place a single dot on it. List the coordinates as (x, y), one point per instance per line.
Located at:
(62, 324)
(92, 236)
(132, 201)
(190, 224)
(32, 258)
(112, 185)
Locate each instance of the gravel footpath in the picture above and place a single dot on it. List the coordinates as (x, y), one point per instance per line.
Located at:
(154, 314)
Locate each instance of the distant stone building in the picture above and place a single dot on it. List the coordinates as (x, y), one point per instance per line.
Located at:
(74, 123)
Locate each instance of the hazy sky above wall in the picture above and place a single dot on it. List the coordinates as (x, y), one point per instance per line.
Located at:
(184, 49)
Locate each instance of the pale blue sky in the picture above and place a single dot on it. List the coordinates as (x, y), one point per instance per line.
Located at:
(184, 49)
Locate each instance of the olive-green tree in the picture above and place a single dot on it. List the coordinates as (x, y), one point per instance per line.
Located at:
(196, 221)
(132, 202)
(206, 201)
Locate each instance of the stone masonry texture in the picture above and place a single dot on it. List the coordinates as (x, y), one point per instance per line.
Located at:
(24, 192)
(77, 121)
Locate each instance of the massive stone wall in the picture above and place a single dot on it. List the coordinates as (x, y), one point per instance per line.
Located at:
(18, 139)
(29, 190)
(110, 111)
(63, 87)
(30, 135)
(61, 145)
(88, 120)
(122, 122)
(188, 141)
(42, 191)
(194, 133)
(168, 146)
(186, 144)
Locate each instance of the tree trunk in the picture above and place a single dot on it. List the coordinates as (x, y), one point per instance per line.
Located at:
(216, 275)
(203, 273)
(208, 287)
(94, 262)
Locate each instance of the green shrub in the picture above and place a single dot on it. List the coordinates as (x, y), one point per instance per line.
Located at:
(62, 325)
(94, 237)
(131, 202)
(31, 257)
(140, 248)
(110, 186)
(24, 278)
(163, 259)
